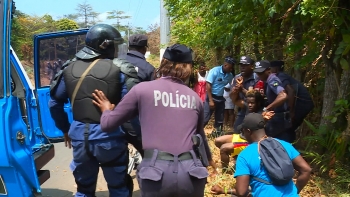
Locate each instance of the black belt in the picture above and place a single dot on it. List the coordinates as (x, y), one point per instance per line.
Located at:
(167, 156)
(282, 114)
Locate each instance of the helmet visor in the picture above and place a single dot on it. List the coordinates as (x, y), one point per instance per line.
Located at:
(120, 50)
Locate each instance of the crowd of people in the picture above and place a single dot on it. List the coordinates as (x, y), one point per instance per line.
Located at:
(116, 101)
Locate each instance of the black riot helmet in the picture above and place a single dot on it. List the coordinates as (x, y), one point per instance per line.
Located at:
(101, 39)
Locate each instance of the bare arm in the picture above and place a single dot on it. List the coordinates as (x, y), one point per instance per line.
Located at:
(304, 170)
(242, 185)
(217, 190)
(280, 99)
(208, 86)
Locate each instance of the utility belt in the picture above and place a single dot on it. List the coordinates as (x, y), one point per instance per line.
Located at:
(161, 155)
(198, 152)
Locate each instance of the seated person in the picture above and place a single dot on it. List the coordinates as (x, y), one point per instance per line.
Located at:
(232, 144)
(250, 172)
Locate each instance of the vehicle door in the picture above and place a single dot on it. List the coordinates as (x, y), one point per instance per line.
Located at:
(51, 51)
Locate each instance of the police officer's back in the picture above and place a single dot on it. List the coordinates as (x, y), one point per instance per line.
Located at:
(136, 56)
(301, 103)
(93, 68)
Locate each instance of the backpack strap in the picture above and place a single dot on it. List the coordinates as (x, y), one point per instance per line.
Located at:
(261, 180)
(263, 138)
(254, 177)
(82, 77)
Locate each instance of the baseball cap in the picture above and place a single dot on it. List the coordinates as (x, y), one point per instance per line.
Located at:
(138, 40)
(246, 60)
(261, 66)
(253, 122)
(230, 60)
(277, 63)
(178, 53)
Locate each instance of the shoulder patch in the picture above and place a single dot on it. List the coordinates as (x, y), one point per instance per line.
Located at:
(275, 83)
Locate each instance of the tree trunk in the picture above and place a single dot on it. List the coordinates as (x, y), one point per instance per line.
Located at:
(298, 36)
(55, 43)
(330, 88)
(218, 55)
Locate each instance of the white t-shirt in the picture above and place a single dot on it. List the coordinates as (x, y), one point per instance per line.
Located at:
(228, 103)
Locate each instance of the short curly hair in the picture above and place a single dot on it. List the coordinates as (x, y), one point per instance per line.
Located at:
(259, 99)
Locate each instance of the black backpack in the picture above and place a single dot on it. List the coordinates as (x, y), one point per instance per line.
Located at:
(276, 162)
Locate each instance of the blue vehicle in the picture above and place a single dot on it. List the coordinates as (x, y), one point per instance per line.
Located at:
(28, 132)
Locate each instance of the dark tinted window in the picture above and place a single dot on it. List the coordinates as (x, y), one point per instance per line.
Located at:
(54, 53)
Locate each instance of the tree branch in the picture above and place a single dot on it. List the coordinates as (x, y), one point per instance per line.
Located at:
(290, 9)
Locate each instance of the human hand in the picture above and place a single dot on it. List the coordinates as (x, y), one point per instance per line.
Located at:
(211, 104)
(268, 115)
(239, 80)
(217, 190)
(102, 101)
(67, 141)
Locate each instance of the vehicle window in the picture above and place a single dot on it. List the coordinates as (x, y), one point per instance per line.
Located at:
(54, 52)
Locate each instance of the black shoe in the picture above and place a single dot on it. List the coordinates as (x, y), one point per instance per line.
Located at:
(215, 134)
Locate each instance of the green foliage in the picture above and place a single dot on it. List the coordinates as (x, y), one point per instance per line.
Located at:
(66, 24)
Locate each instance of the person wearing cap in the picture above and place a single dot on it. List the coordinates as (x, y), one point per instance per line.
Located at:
(138, 44)
(249, 79)
(277, 99)
(248, 165)
(299, 99)
(170, 114)
(136, 56)
(217, 79)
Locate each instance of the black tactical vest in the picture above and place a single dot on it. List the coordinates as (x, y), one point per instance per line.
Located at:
(104, 76)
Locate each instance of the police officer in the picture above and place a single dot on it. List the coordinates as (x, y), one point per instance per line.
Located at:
(246, 66)
(59, 63)
(299, 99)
(145, 71)
(277, 98)
(170, 113)
(136, 55)
(92, 68)
(217, 79)
(49, 70)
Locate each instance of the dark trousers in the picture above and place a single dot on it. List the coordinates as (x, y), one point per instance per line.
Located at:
(111, 155)
(160, 178)
(219, 102)
(278, 127)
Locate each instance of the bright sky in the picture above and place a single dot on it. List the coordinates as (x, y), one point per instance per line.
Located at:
(143, 12)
